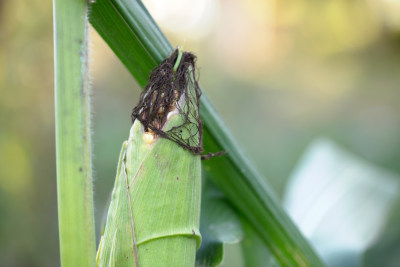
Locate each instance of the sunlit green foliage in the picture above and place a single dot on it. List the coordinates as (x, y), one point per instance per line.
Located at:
(280, 98)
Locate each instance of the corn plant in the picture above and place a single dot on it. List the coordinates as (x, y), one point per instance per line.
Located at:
(135, 38)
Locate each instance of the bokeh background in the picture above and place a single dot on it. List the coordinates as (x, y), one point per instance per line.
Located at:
(281, 73)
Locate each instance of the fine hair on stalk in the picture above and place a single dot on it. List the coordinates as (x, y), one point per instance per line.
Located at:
(173, 87)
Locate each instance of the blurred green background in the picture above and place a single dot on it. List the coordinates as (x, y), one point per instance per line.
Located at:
(281, 73)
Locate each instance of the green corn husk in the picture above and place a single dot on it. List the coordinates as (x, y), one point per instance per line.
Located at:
(154, 214)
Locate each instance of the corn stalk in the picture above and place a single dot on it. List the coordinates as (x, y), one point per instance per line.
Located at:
(73, 145)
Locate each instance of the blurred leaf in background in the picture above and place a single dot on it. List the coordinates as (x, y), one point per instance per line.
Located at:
(219, 225)
(340, 203)
(280, 74)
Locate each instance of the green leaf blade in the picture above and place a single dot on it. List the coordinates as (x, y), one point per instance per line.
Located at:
(137, 63)
(125, 40)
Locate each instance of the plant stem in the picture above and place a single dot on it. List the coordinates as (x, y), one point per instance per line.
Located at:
(73, 144)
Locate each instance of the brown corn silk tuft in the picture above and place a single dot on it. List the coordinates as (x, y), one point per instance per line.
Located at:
(167, 91)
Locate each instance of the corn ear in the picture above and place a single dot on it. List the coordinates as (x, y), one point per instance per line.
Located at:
(154, 214)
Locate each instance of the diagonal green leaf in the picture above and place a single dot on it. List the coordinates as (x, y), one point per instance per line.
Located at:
(133, 35)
